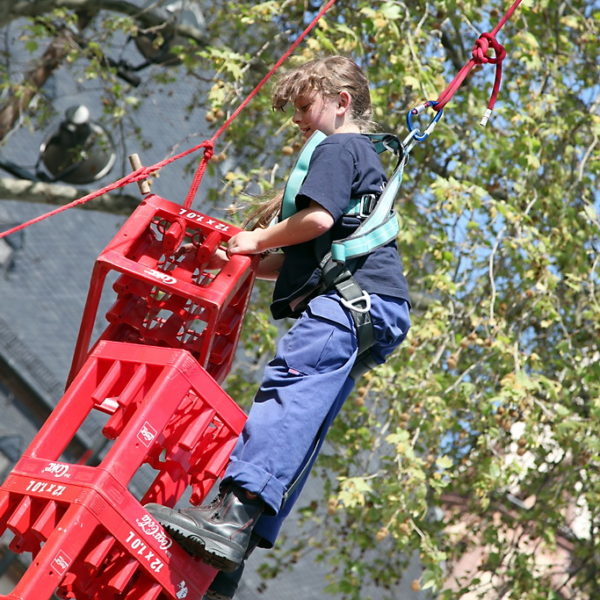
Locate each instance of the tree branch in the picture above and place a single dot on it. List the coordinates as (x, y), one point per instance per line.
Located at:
(59, 194)
(36, 77)
(65, 40)
(454, 55)
(11, 10)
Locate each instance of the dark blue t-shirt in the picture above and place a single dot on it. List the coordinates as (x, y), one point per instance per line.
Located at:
(343, 166)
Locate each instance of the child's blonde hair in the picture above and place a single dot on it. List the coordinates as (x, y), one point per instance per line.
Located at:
(327, 76)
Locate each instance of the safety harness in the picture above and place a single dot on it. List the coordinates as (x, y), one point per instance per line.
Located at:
(378, 225)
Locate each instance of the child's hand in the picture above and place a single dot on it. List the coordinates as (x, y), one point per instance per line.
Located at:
(218, 259)
(245, 242)
(184, 249)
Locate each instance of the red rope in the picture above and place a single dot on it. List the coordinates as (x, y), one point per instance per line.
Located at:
(208, 145)
(202, 167)
(479, 57)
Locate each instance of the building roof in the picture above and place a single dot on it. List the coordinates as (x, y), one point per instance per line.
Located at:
(43, 286)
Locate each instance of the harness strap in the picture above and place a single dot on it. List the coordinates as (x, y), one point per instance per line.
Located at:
(356, 244)
(337, 276)
(364, 362)
(296, 177)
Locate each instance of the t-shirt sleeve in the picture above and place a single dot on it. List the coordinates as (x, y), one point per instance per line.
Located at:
(329, 179)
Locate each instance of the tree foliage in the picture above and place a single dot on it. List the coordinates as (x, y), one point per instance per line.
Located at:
(482, 430)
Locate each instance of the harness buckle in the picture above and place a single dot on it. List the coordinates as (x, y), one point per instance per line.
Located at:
(353, 304)
(366, 206)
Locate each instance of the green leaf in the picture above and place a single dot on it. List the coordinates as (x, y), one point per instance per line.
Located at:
(444, 462)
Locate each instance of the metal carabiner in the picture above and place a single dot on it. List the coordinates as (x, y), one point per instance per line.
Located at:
(418, 135)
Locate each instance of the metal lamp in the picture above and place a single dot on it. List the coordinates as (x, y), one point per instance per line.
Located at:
(80, 151)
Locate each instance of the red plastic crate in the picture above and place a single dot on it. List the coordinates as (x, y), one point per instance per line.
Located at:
(168, 298)
(89, 537)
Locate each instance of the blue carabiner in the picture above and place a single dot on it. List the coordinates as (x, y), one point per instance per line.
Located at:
(418, 135)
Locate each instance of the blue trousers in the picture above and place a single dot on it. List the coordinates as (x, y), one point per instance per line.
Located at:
(302, 390)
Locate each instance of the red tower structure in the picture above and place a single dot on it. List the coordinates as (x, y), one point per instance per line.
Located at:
(153, 377)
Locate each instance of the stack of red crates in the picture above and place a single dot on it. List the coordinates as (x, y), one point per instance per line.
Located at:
(153, 377)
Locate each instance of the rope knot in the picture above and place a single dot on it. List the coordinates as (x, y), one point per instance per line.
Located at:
(209, 150)
(481, 47)
(144, 173)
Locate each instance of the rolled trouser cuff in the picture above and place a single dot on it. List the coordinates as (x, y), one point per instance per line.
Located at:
(257, 481)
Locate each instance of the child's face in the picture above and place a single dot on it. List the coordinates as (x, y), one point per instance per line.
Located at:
(314, 112)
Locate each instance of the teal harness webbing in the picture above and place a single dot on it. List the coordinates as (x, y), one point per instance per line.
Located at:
(296, 177)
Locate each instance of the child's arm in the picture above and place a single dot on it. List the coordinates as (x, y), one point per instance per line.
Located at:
(269, 266)
(305, 225)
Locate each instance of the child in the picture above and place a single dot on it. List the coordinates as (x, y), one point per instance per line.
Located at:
(306, 383)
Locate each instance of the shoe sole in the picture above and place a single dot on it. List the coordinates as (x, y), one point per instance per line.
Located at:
(207, 550)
